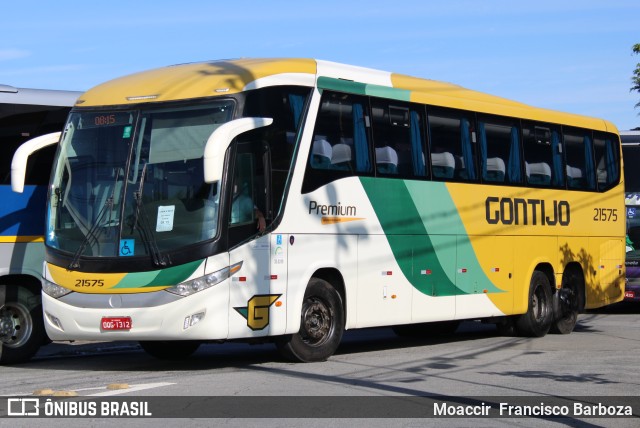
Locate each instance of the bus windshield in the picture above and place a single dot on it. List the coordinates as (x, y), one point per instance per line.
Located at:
(131, 182)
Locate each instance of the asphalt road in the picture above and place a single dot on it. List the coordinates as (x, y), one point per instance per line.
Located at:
(599, 359)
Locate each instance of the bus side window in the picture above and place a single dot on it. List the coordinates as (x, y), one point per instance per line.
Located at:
(285, 105)
(542, 156)
(341, 140)
(340, 146)
(607, 160)
(242, 195)
(398, 138)
(499, 144)
(20, 122)
(452, 146)
(579, 156)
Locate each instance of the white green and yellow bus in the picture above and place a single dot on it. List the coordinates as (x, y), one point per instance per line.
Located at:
(25, 114)
(292, 199)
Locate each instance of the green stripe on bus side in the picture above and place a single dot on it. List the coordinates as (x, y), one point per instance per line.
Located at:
(357, 88)
(408, 237)
(412, 236)
(443, 216)
(158, 278)
(341, 85)
(387, 92)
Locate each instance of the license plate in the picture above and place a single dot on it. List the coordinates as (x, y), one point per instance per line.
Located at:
(116, 323)
(629, 295)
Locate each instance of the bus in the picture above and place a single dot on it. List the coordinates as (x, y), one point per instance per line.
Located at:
(25, 114)
(289, 200)
(631, 154)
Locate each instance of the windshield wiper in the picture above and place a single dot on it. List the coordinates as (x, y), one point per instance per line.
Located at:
(91, 236)
(141, 222)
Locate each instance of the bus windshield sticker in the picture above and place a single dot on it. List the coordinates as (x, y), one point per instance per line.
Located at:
(165, 218)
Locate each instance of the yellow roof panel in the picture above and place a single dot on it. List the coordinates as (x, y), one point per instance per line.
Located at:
(187, 81)
(207, 79)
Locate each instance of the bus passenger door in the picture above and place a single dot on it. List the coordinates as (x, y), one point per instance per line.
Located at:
(251, 296)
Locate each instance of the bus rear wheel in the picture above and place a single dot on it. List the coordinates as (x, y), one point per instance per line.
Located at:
(566, 303)
(536, 322)
(170, 350)
(21, 325)
(321, 325)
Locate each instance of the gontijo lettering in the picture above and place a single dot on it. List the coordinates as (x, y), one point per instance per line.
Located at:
(520, 211)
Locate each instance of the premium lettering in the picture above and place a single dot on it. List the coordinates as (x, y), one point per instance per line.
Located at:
(521, 212)
(333, 210)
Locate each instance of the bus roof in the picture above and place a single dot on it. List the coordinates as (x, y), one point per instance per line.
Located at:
(630, 137)
(211, 78)
(49, 97)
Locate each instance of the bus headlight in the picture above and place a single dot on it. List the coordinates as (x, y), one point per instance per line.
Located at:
(54, 290)
(188, 288)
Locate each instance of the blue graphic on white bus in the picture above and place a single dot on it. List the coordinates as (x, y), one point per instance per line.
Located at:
(127, 247)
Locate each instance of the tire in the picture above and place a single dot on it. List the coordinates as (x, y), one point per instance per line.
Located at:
(170, 350)
(566, 303)
(507, 327)
(536, 322)
(21, 324)
(427, 329)
(321, 325)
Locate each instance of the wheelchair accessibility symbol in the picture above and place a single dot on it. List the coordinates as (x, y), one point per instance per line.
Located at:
(127, 247)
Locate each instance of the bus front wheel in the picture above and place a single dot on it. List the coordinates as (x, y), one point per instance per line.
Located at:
(21, 326)
(321, 325)
(536, 322)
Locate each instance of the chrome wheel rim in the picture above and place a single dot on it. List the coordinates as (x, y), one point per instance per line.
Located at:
(15, 325)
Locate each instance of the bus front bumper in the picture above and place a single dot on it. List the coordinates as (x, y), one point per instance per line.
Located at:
(202, 316)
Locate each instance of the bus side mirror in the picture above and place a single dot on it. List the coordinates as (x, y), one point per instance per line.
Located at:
(20, 157)
(219, 141)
